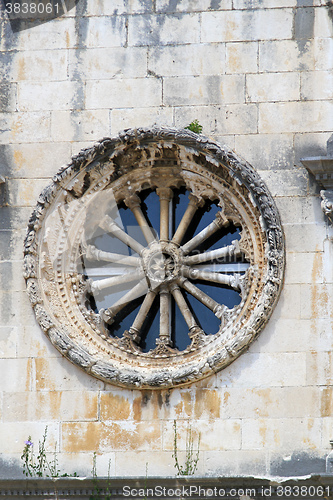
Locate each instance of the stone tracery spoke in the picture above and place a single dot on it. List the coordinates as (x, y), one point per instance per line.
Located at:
(110, 226)
(138, 290)
(93, 253)
(205, 299)
(99, 285)
(225, 251)
(165, 326)
(208, 231)
(165, 196)
(192, 207)
(223, 279)
(134, 204)
(185, 310)
(135, 329)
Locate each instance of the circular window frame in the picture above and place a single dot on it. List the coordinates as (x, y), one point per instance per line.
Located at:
(56, 289)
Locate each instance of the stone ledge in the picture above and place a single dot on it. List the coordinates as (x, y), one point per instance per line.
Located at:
(239, 488)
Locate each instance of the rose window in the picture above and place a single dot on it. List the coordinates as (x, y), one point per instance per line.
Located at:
(154, 259)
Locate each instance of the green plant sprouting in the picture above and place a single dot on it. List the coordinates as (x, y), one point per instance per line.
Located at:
(40, 466)
(194, 127)
(191, 456)
(97, 493)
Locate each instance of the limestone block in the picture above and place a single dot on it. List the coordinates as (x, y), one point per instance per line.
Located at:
(12, 217)
(317, 85)
(16, 375)
(38, 160)
(38, 65)
(273, 87)
(248, 25)
(113, 436)
(82, 464)
(155, 463)
(105, 8)
(58, 374)
(188, 6)
(327, 434)
(299, 210)
(316, 301)
(124, 93)
(33, 342)
(57, 34)
(103, 31)
(11, 279)
(24, 192)
(116, 405)
(164, 29)
(286, 55)
(289, 303)
(8, 97)
(11, 244)
(37, 96)
(79, 125)
(319, 368)
(265, 370)
(267, 152)
(206, 404)
(50, 405)
(264, 4)
(304, 267)
(215, 434)
(284, 433)
(150, 405)
(287, 335)
(326, 402)
(140, 117)
(185, 60)
(8, 341)
(323, 26)
(220, 120)
(304, 23)
(24, 127)
(323, 53)
(20, 432)
(103, 64)
(310, 116)
(234, 463)
(242, 57)
(201, 90)
(271, 402)
(286, 182)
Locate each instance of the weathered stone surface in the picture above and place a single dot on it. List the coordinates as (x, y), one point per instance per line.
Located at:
(124, 93)
(120, 62)
(50, 406)
(187, 60)
(242, 57)
(257, 74)
(164, 29)
(273, 87)
(247, 25)
(79, 125)
(285, 55)
(227, 89)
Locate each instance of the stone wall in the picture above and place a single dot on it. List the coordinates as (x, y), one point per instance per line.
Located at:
(258, 75)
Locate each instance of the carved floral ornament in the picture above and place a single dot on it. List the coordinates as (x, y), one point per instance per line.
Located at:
(154, 258)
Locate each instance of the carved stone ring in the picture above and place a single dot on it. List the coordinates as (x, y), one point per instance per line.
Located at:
(154, 258)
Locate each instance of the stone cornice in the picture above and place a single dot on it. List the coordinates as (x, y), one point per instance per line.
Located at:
(317, 486)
